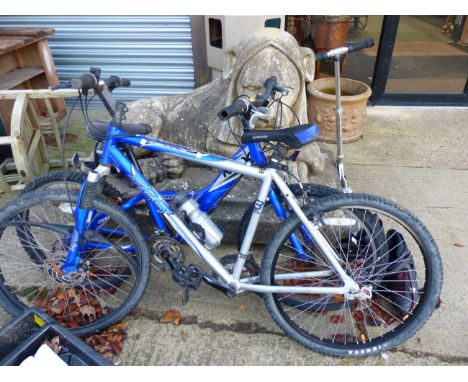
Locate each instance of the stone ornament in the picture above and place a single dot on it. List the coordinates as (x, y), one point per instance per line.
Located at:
(191, 119)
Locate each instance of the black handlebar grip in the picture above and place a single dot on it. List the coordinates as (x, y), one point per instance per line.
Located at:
(88, 81)
(273, 80)
(270, 85)
(262, 99)
(352, 46)
(238, 107)
(85, 82)
(125, 82)
(348, 48)
(115, 81)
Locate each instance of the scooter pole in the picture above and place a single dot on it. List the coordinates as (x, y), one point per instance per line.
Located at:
(339, 130)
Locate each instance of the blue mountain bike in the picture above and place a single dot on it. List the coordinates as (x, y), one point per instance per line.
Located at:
(346, 274)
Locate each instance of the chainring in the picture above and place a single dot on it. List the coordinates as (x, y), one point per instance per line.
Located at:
(160, 244)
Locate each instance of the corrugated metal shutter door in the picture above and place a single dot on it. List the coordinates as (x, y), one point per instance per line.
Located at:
(154, 52)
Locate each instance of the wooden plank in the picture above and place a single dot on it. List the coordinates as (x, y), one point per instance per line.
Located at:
(17, 114)
(43, 151)
(5, 140)
(18, 145)
(28, 133)
(59, 163)
(33, 32)
(52, 119)
(16, 77)
(18, 187)
(50, 71)
(38, 93)
(32, 113)
(34, 154)
(4, 186)
(34, 143)
(10, 178)
(27, 130)
(9, 44)
(45, 167)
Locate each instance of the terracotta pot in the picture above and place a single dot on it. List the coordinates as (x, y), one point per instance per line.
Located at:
(321, 107)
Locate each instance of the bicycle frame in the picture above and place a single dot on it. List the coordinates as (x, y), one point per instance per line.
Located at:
(209, 196)
(112, 156)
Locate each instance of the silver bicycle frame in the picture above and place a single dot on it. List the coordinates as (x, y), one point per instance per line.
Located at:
(268, 176)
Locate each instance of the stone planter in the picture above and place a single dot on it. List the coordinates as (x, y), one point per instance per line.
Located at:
(321, 107)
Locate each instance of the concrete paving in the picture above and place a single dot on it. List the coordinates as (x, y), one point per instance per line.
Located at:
(416, 157)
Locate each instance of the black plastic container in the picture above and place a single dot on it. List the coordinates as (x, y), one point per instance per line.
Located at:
(22, 336)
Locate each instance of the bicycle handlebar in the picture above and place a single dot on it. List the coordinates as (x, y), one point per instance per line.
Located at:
(271, 87)
(91, 80)
(86, 82)
(115, 81)
(242, 105)
(238, 107)
(348, 48)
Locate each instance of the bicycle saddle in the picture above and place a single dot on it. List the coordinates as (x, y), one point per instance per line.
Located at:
(98, 129)
(294, 137)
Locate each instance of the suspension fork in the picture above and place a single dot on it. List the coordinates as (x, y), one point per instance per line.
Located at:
(83, 214)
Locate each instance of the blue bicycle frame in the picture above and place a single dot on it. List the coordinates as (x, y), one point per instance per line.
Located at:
(209, 196)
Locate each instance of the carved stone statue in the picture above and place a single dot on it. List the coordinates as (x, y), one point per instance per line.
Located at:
(191, 119)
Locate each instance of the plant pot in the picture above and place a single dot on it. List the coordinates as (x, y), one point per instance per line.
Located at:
(321, 108)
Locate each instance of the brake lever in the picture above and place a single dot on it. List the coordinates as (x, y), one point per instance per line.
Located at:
(259, 113)
(282, 90)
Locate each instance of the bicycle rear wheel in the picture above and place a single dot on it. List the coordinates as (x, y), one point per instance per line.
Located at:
(35, 231)
(405, 279)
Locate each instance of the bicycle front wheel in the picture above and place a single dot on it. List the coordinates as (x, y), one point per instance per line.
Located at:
(403, 272)
(35, 231)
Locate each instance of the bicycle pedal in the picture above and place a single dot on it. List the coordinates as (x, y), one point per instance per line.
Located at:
(187, 276)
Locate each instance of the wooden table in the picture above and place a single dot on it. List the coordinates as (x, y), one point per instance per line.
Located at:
(26, 63)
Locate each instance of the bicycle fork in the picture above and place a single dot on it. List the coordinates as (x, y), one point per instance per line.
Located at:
(83, 214)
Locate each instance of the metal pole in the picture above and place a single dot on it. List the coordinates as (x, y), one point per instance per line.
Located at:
(339, 129)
